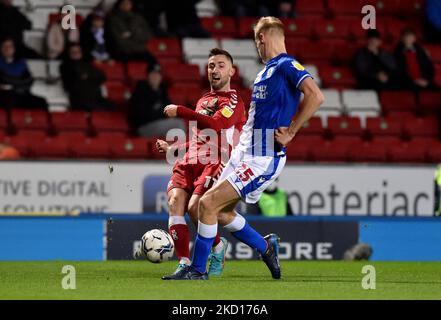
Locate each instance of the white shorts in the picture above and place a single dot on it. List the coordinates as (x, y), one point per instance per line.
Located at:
(251, 175)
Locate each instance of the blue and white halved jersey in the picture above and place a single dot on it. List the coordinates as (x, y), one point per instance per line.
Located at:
(275, 100)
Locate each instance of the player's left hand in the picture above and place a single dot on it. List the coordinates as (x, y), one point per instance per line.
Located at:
(283, 136)
(171, 111)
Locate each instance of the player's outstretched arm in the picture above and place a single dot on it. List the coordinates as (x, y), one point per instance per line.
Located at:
(313, 98)
(218, 122)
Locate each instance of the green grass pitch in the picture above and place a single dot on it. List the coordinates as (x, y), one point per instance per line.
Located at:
(248, 280)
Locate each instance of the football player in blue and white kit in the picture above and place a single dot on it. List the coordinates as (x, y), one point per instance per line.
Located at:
(260, 155)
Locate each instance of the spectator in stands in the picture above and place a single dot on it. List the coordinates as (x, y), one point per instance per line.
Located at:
(147, 104)
(83, 82)
(129, 33)
(273, 203)
(94, 36)
(433, 21)
(57, 38)
(8, 152)
(16, 80)
(286, 9)
(152, 11)
(414, 65)
(374, 67)
(183, 21)
(13, 23)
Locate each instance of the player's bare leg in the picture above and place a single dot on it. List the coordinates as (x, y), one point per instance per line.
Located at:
(219, 202)
(178, 202)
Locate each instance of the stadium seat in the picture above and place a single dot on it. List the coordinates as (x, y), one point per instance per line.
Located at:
(438, 75)
(23, 119)
(306, 51)
(91, 148)
(368, 152)
(197, 48)
(50, 148)
(422, 126)
(430, 101)
(115, 91)
(109, 121)
(299, 149)
(324, 114)
(378, 126)
(337, 77)
(397, 101)
(246, 27)
(114, 71)
(386, 7)
(344, 7)
(183, 73)
(165, 48)
(245, 94)
(240, 49)
(338, 28)
(330, 151)
(313, 126)
(313, 70)
(358, 100)
(434, 152)
(130, 148)
(332, 100)
(407, 152)
(339, 126)
(295, 28)
(54, 93)
(38, 69)
(177, 95)
(410, 7)
(23, 141)
(434, 51)
(363, 115)
(3, 120)
(70, 120)
(220, 27)
(307, 7)
(136, 71)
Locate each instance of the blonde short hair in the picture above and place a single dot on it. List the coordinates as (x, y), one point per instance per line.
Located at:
(268, 23)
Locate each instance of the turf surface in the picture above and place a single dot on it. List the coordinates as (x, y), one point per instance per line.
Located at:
(241, 280)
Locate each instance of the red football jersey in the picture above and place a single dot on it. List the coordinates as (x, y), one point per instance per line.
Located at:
(224, 113)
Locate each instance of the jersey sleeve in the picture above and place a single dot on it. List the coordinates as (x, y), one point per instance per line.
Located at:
(229, 113)
(295, 73)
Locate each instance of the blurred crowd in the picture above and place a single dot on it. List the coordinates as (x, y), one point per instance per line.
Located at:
(121, 33)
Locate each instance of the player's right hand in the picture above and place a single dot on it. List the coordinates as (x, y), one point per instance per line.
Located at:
(162, 146)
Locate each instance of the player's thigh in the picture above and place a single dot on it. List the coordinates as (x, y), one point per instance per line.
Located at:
(178, 201)
(219, 198)
(193, 206)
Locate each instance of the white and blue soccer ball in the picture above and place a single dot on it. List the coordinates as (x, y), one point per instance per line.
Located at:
(157, 245)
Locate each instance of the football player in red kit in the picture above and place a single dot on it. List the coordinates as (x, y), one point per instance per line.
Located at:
(222, 111)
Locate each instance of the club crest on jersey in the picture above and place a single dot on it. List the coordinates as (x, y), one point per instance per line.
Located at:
(227, 111)
(298, 66)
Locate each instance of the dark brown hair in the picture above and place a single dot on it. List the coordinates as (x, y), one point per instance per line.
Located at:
(217, 51)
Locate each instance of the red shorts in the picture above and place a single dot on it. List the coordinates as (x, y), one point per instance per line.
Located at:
(194, 178)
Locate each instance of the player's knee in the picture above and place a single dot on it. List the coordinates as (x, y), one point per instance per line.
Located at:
(174, 206)
(206, 205)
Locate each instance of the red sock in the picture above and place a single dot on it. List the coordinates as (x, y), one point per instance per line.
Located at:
(217, 240)
(181, 238)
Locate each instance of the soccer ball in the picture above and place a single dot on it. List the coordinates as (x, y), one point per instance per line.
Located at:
(157, 245)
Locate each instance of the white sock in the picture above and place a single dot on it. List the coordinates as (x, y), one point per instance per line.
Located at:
(207, 230)
(237, 224)
(172, 220)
